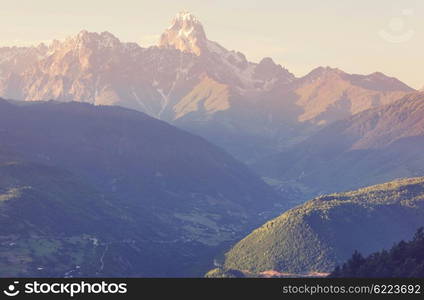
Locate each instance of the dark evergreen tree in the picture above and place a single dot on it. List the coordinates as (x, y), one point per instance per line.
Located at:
(405, 259)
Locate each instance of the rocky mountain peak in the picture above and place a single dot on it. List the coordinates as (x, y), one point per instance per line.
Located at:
(186, 33)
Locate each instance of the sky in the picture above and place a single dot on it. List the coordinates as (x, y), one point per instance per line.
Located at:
(357, 36)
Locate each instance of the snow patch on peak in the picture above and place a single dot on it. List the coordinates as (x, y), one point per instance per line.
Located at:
(186, 34)
(185, 16)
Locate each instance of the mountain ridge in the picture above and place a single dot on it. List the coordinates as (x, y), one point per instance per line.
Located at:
(325, 231)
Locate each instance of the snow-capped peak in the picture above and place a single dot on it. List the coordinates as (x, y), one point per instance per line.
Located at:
(184, 17)
(186, 34)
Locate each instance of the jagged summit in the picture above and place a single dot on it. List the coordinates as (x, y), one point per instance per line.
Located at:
(185, 16)
(90, 39)
(186, 33)
(374, 81)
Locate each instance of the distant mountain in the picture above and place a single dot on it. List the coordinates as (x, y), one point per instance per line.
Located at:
(250, 109)
(328, 95)
(403, 260)
(371, 147)
(105, 191)
(324, 232)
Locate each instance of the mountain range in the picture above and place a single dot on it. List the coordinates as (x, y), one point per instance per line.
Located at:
(106, 191)
(250, 109)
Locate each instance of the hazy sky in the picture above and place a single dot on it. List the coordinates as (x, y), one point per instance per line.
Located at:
(358, 36)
